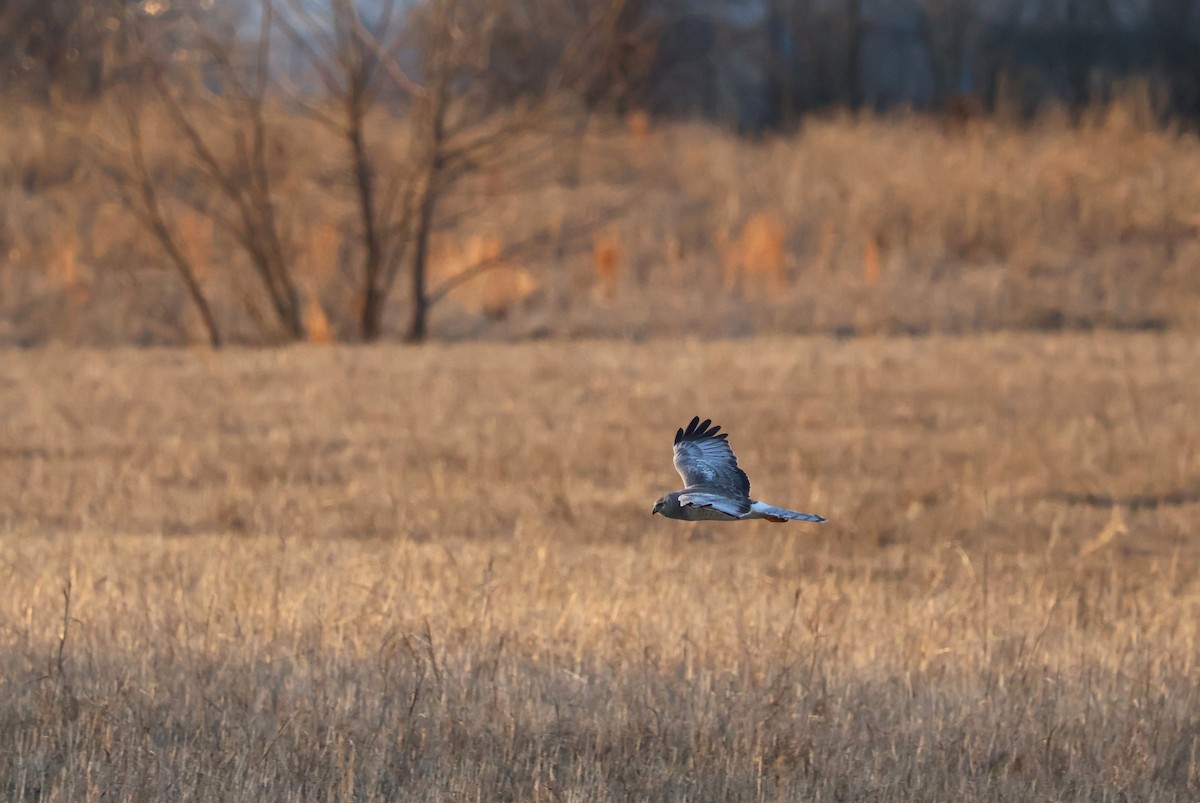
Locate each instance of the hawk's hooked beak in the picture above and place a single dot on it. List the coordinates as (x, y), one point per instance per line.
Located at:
(654, 509)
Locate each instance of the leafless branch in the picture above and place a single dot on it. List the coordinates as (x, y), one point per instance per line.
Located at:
(454, 129)
(245, 181)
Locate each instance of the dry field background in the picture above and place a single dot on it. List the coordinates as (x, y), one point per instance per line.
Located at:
(431, 574)
(850, 225)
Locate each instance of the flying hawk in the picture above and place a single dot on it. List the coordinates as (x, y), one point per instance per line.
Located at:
(715, 489)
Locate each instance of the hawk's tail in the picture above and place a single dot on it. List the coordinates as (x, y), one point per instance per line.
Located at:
(761, 510)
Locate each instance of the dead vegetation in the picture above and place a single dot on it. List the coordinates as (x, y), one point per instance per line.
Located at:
(755, 260)
(853, 225)
(429, 574)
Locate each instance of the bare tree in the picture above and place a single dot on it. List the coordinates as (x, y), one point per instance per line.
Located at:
(140, 193)
(466, 107)
(456, 128)
(347, 56)
(236, 115)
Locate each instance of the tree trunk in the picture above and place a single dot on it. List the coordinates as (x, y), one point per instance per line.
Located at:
(855, 30)
(370, 320)
(206, 315)
(182, 266)
(418, 323)
(295, 316)
(184, 269)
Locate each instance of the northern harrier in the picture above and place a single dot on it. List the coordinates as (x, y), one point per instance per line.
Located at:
(715, 489)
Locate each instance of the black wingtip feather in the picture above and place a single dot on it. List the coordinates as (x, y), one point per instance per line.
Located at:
(700, 430)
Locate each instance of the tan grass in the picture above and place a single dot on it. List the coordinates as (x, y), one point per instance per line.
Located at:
(431, 574)
(64, 262)
(606, 263)
(197, 237)
(827, 242)
(316, 323)
(983, 225)
(497, 285)
(871, 261)
(503, 285)
(754, 261)
(67, 278)
(637, 122)
(504, 288)
(673, 256)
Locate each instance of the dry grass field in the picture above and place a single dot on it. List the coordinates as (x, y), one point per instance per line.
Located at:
(431, 574)
(867, 225)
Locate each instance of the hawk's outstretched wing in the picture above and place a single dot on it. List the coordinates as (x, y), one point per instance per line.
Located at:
(732, 506)
(704, 460)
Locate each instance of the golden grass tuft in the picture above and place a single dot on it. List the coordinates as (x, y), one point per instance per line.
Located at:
(606, 263)
(316, 323)
(66, 276)
(754, 261)
(673, 256)
(64, 263)
(871, 261)
(504, 288)
(431, 574)
(637, 123)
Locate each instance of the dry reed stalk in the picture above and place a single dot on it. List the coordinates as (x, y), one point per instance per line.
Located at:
(1113, 527)
(827, 240)
(673, 256)
(637, 123)
(607, 251)
(64, 261)
(316, 323)
(872, 264)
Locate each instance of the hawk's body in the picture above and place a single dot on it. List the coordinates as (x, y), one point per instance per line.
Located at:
(715, 489)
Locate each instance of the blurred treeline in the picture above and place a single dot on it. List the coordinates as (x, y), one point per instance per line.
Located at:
(756, 63)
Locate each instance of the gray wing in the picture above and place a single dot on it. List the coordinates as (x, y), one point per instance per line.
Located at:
(704, 460)
(735, 507)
